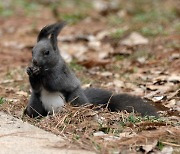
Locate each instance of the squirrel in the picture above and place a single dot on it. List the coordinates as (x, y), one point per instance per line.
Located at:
(53, 83)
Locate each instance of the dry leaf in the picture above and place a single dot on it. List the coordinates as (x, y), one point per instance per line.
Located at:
(134, 39)
(14, 45)
(167, 150)
(106, 6)
(118, 83)
(106, 74)
(6, 81)
(111, 138)
(93, 63)
(171, 103)
(174, 78)
(99, 133)
(67, 57)
(157, 98)
(149, 147)
(22, 93)
(127, 134)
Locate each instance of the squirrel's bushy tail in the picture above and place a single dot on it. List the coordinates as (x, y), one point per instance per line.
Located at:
(119, 102)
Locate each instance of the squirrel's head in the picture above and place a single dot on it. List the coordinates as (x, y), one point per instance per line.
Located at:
(45, 53)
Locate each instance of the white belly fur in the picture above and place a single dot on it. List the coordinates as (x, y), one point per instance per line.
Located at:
(52, 101)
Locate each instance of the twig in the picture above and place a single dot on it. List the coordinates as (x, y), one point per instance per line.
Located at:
(74, 99)
(109, 101)
(36, 111)
(171, 144)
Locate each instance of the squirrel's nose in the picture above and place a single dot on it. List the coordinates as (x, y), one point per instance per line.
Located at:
(35, 62)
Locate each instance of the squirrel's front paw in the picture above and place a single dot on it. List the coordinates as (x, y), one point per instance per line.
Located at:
(32, 70)
(29, 71)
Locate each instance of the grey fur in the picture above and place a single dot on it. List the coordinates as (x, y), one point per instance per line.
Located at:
(49, 71)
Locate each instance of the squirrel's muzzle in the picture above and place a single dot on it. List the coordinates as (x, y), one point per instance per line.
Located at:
(35, 63)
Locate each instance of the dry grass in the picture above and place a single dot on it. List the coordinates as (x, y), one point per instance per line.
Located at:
(97, 129)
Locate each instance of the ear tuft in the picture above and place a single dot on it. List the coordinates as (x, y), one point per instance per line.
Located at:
(52, 30)
(45, 32)
(56, 30)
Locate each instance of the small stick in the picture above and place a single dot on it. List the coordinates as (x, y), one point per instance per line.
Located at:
(109, 101)
(36, 111)
(171, 144)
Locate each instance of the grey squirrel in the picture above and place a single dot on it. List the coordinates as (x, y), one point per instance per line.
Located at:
(53, 83)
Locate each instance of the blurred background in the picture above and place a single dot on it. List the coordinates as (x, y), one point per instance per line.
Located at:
(126, 46)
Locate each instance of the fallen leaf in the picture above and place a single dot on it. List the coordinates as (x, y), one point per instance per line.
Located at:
(167, 150)
(94, 44)
(118, 83)
(175, 56)
(111, 138)
(149, 147)
(174, 78)
(66, 56)
(105, 7)
(22, 93)
(157, 98)
(141, 60)
(74, 50)
(106, 74)
(78, 37)
(127, 134)
(99, 133)
(170, 103)
(93, 63)
(13, 44)
(12, 100)
(134, 39)
(6, 81)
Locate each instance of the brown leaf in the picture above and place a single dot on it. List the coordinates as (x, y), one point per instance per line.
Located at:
(93, 63)
(134, 39)
(149, 147)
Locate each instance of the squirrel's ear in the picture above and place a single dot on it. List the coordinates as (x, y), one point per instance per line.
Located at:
(56, 30)
(45, 32)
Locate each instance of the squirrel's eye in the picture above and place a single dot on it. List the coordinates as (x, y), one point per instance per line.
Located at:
(46, 52)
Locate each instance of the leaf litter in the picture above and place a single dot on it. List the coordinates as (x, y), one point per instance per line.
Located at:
(90, 127)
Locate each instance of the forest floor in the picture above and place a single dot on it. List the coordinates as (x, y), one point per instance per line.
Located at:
(126, 47)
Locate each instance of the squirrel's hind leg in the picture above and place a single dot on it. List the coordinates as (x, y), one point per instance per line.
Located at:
(35, 107)
(77, 97)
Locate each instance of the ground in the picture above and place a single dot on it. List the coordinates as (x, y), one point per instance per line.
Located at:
(130, 47)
